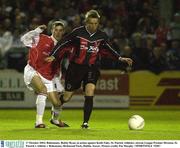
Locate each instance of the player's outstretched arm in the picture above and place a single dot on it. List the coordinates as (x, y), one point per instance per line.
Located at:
(32, 37)
(65, 42)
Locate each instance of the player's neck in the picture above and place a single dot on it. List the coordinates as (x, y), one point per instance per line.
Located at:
(90, 33)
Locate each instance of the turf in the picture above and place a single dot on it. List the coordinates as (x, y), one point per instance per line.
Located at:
(105, 125)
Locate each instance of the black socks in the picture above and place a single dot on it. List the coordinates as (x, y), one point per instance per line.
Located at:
(88, 106)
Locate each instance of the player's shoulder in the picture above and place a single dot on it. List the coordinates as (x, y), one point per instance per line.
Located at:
(102, 33)
(78, 28)
(44, 36)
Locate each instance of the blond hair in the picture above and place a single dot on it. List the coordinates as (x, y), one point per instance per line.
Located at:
(92, 14)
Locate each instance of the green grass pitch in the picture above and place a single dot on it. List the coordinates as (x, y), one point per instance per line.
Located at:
(104, 125)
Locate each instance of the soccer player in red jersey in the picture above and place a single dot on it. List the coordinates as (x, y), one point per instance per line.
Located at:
(90, 44)
(41, 76)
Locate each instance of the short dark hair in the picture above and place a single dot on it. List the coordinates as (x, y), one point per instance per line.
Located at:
(92, 14)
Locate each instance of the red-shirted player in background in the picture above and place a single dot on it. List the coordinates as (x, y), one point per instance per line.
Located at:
(43, 77)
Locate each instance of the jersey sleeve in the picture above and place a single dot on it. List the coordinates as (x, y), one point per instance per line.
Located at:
(31, 38)
(106, 50)
(65, 42)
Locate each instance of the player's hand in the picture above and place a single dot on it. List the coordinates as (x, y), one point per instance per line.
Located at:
(129, 61)
(50, 59)
(42, 27)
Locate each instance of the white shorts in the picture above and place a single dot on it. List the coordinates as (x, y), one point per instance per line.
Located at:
(51, 85)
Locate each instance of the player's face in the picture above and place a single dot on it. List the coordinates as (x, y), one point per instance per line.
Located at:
(92, 24)
(57, 32)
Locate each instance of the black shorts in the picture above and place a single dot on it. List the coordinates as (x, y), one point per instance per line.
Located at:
(77, 74)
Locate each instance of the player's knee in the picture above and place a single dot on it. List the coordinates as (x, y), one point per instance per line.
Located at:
(43, 90)
(89, 92)
(89, 89)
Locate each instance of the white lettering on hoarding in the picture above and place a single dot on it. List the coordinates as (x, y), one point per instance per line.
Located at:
(11, 82)
(110, 84)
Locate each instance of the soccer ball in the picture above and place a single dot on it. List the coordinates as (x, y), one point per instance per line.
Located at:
(136, 122)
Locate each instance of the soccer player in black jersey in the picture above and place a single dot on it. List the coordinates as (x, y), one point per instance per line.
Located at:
(90, 44)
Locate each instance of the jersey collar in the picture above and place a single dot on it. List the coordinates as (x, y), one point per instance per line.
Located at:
(91, 34)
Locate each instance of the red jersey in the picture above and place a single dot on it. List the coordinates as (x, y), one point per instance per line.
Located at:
(40, 48)
(37, 55)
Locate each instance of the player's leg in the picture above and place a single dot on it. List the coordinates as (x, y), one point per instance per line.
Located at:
(56, 104)
(54, 98)
(73, 78)
(56, 108)
(54, 87)
(89, 88)
(88, 103)
(41, 92)
(66, 96)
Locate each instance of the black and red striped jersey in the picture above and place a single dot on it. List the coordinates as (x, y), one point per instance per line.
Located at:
(88, 48)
